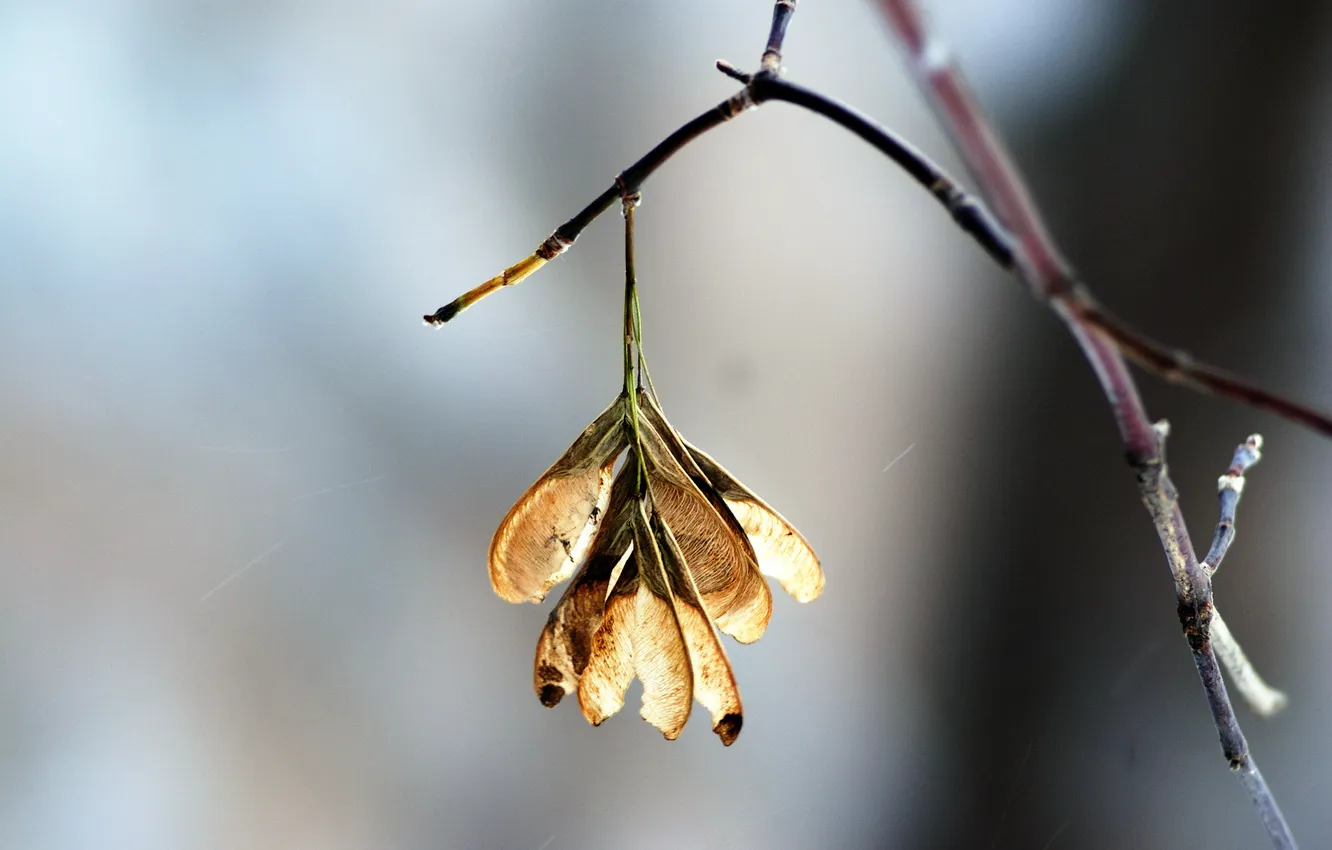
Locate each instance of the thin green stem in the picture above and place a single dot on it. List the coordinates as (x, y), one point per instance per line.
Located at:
(632, 345)
(643, 373)
(629, 334)
(638, 337)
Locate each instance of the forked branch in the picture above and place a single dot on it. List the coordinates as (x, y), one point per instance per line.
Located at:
(1049, 275)
(1042, 267)
(1261, 697)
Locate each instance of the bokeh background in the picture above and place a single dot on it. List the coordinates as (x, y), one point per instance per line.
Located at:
(246, 495)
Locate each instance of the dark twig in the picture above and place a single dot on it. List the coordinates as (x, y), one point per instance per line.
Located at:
(1040, 264)
(772, 54)
(968, 212)
(626, 182)
(1170, 364)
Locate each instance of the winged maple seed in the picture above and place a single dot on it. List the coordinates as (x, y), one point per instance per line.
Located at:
(672, 549)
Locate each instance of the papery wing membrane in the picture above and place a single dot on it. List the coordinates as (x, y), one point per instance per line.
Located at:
(783, 552)
(661, 658)
(610, 664)
(565, 644)
(714, 682)
(716, 552)
(547, 532)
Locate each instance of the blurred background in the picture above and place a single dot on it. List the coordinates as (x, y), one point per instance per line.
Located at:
(246, 496)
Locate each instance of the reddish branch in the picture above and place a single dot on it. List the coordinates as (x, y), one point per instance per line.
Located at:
(1038, 261)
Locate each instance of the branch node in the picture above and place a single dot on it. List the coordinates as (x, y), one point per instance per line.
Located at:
(1196, 619)
(554, 245)
(741, 101)
(630, 201)
(935, 58)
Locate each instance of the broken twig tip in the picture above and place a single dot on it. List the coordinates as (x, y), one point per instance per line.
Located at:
(443, 314)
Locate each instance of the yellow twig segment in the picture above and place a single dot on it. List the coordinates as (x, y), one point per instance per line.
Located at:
(513, 274)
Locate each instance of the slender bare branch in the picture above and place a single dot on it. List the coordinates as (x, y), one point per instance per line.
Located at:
(1042, 267)
(782, 11)
(973, 217)
(965, 210)
(1193, 591)
(1261, 697)
(1229, 488)
(626, 182)
(1040, 263)
(1179, 367)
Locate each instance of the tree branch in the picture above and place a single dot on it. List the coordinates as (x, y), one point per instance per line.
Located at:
(1048, 276)
(1261, 697)
(1229, 488)
(1178, 367)
(1041, 266)
(782, 11)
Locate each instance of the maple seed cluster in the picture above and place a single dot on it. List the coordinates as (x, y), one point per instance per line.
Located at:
(668, 550)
